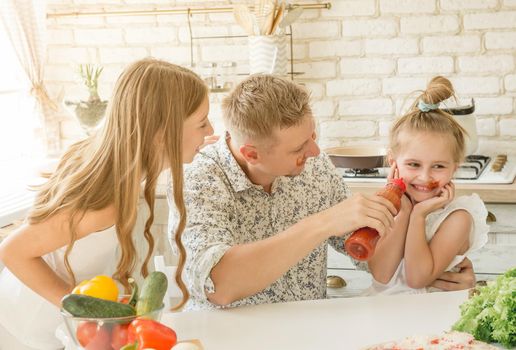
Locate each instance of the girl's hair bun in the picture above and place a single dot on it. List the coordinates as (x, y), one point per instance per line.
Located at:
(437, 90)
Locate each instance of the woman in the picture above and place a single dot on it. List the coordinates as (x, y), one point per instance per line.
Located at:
(157, 119)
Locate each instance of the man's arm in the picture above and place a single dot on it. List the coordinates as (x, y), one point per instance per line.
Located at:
(464, 279)
(246, 269)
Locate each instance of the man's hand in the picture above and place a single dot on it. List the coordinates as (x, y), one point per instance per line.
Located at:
(360, 210)
(464, 279)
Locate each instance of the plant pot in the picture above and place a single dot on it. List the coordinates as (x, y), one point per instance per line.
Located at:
(89, 113)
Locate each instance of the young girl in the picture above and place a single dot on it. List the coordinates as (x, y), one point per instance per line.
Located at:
(434, 230)
(156, 119)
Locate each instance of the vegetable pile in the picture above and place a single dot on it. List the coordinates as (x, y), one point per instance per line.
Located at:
(129, 324)
(490, 314)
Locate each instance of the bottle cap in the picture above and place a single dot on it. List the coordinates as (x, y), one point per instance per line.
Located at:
(400, 183)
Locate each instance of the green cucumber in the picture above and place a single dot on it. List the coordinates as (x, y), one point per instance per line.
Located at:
(89, 307)
(152, 293)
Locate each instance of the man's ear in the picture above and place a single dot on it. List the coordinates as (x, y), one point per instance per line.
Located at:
(250, 153)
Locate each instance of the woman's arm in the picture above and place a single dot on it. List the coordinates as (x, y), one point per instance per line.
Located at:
(22, 251)
(390, 248)
(426, 261)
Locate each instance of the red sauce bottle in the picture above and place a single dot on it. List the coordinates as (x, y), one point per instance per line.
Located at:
(362, 243)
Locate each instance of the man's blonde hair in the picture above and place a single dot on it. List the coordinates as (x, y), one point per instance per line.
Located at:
(261, 104)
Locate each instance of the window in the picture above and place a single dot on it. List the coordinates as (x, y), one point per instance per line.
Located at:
(19, 116)
(20, 148)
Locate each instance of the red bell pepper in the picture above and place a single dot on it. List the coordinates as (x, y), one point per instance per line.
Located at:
(151, 334)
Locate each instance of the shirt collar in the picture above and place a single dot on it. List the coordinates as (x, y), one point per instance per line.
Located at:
(234, 173)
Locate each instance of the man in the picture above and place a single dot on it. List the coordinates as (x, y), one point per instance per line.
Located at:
(263, 203)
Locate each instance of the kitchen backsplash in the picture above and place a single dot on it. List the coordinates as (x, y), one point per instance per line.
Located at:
(360, 59)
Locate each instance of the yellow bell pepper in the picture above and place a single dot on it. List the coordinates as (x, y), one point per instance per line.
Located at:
(102, 287)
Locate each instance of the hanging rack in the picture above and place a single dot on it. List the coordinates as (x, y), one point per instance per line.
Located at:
(189, 11)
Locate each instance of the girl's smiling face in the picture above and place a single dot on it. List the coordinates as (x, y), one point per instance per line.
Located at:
(425, 162)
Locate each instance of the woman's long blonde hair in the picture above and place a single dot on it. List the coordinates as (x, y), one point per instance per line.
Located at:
(143, 133)
(435, 120)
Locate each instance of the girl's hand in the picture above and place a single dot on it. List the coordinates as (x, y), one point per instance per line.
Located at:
(406, 204)
(393, 172)
(427, 206)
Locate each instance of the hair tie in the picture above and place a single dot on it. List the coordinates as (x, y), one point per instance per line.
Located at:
(427, 107)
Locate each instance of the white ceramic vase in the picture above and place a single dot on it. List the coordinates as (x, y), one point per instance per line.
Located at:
(268, 54)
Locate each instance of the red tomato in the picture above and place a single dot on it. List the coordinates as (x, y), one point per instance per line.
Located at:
(119, 336)
(93, 337)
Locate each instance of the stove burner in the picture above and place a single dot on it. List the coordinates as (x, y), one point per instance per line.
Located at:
(476, 169)
(471, 169)
(373, 172)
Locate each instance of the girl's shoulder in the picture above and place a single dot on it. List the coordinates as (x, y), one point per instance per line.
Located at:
(471, 202)
(475, 207)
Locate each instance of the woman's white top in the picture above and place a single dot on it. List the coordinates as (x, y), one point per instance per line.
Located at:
(477, 239)
(31, 318)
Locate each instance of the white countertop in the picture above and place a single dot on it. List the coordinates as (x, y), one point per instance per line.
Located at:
(344, 323)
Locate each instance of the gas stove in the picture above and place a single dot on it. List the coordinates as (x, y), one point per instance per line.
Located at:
(476, 169)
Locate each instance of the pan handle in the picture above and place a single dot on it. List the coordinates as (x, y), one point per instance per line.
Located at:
(461, 110)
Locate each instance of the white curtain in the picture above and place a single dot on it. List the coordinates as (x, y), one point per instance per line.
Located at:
(25, 24)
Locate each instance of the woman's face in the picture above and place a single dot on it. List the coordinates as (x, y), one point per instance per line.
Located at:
(195, 128)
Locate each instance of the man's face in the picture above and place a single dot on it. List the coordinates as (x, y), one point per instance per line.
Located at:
(292, 147)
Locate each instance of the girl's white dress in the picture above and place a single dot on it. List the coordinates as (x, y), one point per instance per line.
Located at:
(32, 319)
(477, 239)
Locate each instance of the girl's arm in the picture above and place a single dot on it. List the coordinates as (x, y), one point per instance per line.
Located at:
(390, 247)
(22, 251)
(426, 261)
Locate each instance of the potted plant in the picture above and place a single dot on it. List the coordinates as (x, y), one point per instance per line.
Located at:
(90, 112)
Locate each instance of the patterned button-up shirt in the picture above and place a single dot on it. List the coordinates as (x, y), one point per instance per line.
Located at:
(225, 208)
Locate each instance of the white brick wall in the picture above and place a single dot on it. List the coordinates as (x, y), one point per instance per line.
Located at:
(361, 59)
(430, 24)
(452, 44)
(461, 5)
(368, 28)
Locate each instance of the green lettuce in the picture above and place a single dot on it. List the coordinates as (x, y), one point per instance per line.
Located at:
(490, 314)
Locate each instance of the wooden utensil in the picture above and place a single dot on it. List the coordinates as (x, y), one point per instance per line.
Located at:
(244, 18)
(270, 10)
(277, 18)
(259, 14)
(291, 17)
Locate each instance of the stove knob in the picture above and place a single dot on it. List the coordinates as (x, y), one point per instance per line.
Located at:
(499, 163)
(335, 282)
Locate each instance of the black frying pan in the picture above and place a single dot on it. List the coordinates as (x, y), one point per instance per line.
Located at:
(357, 157)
